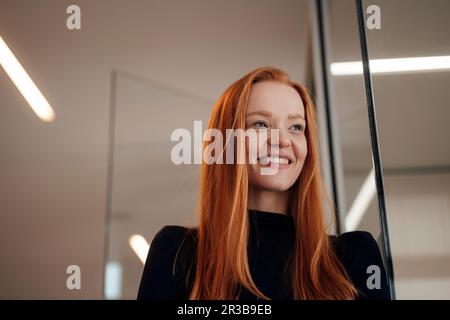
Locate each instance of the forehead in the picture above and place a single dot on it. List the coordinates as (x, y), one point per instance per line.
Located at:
(275, 97)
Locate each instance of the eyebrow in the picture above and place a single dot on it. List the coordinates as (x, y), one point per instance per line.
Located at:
(295, 116)
(269, 114)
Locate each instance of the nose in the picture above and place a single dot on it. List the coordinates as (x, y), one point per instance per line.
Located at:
(282, 139)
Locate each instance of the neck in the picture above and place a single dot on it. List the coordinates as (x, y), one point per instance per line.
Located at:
(270, 201)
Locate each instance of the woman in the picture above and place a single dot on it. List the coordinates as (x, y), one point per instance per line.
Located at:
(263, 236)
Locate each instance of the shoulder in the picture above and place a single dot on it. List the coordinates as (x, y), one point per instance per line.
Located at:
(170, 235)
(355, 241)
(169, 241)
(169, 252)
(356, 247)
(361, 257)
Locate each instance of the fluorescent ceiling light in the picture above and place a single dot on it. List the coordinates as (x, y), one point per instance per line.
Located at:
(398, 65)
(140, 246)
(361, 203)
(24, 83)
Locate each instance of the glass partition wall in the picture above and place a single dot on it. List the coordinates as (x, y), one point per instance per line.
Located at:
(353, 129)
(410, 67)
(189, 54)
(389, 74)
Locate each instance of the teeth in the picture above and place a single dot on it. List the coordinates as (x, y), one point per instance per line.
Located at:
(266, 160)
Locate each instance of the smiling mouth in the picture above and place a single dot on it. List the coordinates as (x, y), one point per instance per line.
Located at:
(275, 160)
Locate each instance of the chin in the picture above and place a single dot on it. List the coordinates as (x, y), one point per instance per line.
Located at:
(280, 182)
(273, 185)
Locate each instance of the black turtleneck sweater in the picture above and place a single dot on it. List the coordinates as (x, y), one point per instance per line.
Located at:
(271, 246)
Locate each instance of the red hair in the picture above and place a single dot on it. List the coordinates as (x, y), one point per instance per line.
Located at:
(221, 262)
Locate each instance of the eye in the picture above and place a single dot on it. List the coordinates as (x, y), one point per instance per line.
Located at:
(260, 124)
(298, 127)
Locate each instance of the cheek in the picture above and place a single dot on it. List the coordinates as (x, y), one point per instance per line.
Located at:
(300, 149)
(253, 174)
(255, 145)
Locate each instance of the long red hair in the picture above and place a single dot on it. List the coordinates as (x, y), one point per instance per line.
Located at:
(221, 262)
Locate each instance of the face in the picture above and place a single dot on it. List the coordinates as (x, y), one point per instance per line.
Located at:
(273, 105)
